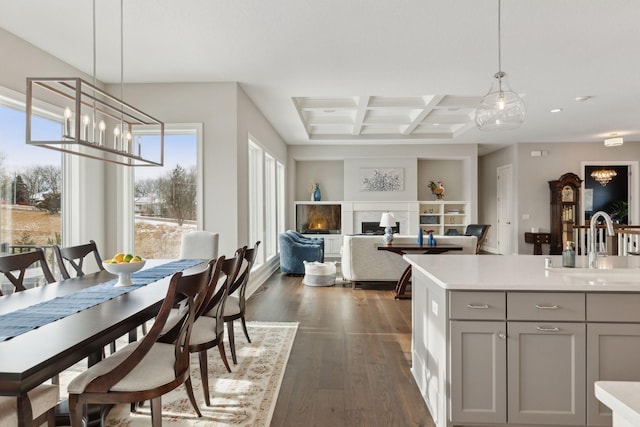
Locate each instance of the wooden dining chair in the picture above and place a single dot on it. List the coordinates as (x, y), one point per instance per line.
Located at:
(149, 368)
(74, 256)
(208, 330)
(235, 306)
(23, 263)
(43, 400)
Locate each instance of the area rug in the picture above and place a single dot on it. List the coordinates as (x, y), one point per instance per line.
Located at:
(244, 397)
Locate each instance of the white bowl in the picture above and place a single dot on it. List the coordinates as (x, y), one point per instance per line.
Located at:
(124, 271)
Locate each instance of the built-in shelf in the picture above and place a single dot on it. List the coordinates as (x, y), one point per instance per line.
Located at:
(444, 217)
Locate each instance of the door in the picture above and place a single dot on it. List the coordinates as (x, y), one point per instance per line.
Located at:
(505, 210)
(546, 373)
(478, 372)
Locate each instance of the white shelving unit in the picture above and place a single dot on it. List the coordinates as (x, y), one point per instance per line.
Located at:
(443, 216)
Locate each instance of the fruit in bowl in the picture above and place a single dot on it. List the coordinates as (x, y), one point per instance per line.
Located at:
(118, 265)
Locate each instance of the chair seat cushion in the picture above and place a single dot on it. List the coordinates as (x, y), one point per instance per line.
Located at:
(155, 369)
(43, 398)
(204, 330)
(231, 307)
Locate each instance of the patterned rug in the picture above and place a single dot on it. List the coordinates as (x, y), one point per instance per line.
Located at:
(244, 397)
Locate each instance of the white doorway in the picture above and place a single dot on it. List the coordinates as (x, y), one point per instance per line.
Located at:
(633, 188)
(505, 210)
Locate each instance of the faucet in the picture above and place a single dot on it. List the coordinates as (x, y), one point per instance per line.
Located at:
(593, 251)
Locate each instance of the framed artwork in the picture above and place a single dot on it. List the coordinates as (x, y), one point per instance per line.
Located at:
(381, 179)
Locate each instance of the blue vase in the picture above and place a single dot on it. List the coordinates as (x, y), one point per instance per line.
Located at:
(420, 236)
(431, 241)
(316, 193)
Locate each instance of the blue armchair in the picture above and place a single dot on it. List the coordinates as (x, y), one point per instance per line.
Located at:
(296, 248)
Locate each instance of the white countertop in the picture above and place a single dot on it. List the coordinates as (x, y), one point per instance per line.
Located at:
(527, 272)
(622, 397)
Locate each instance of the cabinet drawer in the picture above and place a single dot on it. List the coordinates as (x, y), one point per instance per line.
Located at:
(557, 306)
(613, 307)
(477, 305)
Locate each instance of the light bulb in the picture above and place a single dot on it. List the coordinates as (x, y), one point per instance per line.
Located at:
(67, 121)
(85, 127)
(102, 126)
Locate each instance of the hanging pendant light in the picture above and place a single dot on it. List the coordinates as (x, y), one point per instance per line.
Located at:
(95, 123)
(501, 108)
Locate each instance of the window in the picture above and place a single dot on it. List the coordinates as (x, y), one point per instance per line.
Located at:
(266, 201)
(30, 184)
(166, 198)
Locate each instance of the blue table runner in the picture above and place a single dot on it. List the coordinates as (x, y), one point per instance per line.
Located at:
(28, 318)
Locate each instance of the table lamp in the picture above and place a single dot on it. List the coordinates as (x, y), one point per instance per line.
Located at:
(387, 221)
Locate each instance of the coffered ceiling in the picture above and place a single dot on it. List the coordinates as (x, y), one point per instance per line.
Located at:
(376, 117)
(368, 72)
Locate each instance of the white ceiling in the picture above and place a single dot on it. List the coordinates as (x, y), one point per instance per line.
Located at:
(369, 71)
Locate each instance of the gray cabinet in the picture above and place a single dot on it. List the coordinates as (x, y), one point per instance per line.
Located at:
(546, 373)
(612, 355)
(478, 374)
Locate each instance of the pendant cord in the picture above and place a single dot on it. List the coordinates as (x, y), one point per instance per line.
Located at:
(121, 49)
(94, 42)
(499, 39)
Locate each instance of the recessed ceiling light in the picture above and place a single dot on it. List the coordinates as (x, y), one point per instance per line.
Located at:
(583, 98)
(435, 124)
(556, 110)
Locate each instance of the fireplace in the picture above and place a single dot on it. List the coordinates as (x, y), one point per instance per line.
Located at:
(374, 228)
(318, 218)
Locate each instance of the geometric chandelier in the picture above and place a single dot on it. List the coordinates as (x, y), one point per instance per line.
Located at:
(95, 124)
(603, 176)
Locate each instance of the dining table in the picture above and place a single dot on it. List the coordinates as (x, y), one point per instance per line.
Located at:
(400, 291)
(35, 356)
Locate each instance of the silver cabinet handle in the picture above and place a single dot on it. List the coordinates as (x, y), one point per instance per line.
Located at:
(478, 306)
(541, 329)
(502, 336)
(547, 307)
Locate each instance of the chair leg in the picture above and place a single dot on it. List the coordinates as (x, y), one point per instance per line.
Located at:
(204, 376)
(104, 411)
(51, 417)
(232, 341)
(192, 398)
(156, 411)
(244, 328)
(223, 354)
(76, 414)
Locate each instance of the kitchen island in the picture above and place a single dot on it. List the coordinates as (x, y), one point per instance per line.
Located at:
(503, 341)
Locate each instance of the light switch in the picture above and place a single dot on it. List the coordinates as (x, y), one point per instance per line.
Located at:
(434, 308)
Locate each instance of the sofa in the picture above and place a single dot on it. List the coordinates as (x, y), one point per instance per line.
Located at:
(363, 262)
(295, 248)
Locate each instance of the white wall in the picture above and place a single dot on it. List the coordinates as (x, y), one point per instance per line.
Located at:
(328, 173)
(532, 176)
(353, 169)
(390, 155)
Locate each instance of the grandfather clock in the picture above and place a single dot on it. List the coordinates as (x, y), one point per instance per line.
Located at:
(565, 207)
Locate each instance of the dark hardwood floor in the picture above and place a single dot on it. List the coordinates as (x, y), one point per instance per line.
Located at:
(350, 362)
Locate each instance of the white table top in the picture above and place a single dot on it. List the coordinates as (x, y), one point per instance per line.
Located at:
(527, 273)
(622, 397)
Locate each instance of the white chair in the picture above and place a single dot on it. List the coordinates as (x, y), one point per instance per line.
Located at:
(199, 245)
(43, 398)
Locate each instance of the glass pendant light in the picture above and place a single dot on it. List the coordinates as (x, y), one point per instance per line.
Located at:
(501, 108)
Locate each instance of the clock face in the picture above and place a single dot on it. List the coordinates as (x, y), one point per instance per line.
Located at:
(567, 194)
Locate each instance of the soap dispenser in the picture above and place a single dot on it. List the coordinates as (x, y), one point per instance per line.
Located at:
(569, 256)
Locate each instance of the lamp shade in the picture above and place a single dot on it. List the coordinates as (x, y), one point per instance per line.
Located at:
(387, 220)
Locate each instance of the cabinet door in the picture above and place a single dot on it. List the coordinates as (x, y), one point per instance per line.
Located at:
(478, 372)
(612, 355)
(546, 371)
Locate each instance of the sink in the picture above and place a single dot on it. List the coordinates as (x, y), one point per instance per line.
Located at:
(611, 276)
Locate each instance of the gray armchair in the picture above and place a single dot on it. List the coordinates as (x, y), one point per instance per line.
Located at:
(295, 249)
